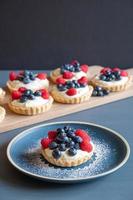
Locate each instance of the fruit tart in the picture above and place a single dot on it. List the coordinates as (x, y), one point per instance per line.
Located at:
(67, 147)
(27, 102)
(114, 80)
(2, 93)
(28, 80)
(72, 71)
(2, 113)
(72, 91)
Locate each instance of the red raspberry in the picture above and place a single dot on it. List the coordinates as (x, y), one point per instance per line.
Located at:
(45, 93)
(68, 75)
(74, 62)
(71, 92)
(124, 73)
(116, 69)
(41, 76)
(84, 68)
(104, 70)
(52, 134)
(60, 80)
(86, 146)
(22, 89)
(83, 80)
(12, 76)
(45, 142)
(16, 95)
(83, 134)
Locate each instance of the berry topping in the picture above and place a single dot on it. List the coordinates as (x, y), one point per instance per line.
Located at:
(104, 70)
(60, 80)
(12, 76)
(22, 89)
(72, 151)
(84, 68)
(116, 69)
(41, 76)
(68, 75)
(45, 94)
(61, 87)
(53, 145)
(56, 154)
(52, 134)
(83, 80)
(99, 91)
(86, 146)
(108, 74)
(83, 134)
(16, 95)
(45, 142)
(37, 93)
(71, 92)
(124, 73)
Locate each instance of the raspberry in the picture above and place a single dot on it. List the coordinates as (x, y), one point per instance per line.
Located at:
(124, 73)
(22, 89)
(41, 76)
(68, 75)
(116, 69)
(86, 146)
(71, 92)
(60, 80)
(84, 68)
(12, 76)
(52, 134)
(74, 62)
(83, 80)
(104, 70)
(45, 142)
(83, 134)
(45, 93)
(16, 95)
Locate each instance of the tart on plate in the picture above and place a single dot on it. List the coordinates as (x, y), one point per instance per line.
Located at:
(2, 113)
(28, 80)
(27, 102)
(72, 71)
(71, 92)
(114, 80)
(67, 147)
(2, 93)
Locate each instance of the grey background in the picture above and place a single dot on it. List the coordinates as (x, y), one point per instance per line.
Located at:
(46, 33)
(14, 185)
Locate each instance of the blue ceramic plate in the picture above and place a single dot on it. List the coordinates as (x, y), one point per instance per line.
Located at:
(111, 152)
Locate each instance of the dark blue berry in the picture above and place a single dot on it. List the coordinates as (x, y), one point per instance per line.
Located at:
(71, 134)
(53, 145)
(72, 152)
(102, 77)
(76, 146)
(100, 93)
(23, 99)
(106, 92)
(32, 77)
(31, 97)
(98, 88)
(28, 92)
(60, 130)
(82, 85)
(62, 147)
(26, 80)
(94, 93)
(26, 73)
(56, 154)
(37, 93)
(61, 87)
(77, 139)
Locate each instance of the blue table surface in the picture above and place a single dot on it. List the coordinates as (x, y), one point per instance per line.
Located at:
(118, 186)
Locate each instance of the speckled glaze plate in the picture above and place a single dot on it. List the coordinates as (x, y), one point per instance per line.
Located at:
(111, 152)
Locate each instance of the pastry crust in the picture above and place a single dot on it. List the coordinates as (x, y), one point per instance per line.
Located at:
(2, 113)
(2, 93)
(31, 110)
(66, 162)
(74, 100)
(113, 88)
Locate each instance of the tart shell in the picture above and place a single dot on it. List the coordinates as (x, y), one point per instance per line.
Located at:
(2, 113)
(31, 110)
(75, 100)
(113, 88)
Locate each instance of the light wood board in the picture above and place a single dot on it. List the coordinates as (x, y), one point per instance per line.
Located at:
(13, 121)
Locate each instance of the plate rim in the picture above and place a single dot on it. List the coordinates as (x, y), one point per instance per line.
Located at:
(24, 133)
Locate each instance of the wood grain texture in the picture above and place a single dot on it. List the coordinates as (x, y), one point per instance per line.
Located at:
(13, 121)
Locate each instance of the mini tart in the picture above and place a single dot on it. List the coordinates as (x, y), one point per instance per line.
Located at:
(61, 98)
(55, 74)
(31, 107)
(2, 93)
(114, 86)
(40, 82)
(2, 113)
(64, 162)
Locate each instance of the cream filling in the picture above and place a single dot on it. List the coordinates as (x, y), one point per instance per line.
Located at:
(37, 84)
(80, 92)
(38, 101)
(65, 156)
(119, 82)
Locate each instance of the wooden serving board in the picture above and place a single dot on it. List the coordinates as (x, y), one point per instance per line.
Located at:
(13, 121)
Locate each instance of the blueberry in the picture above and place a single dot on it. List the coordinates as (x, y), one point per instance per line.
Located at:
(71, 134)
(77, 85)
(77, 139)
(108, 72)
(112, 76)
(76, 146)
(98, 88)
(56, 154)
(72, 151)
(62, 147)
(26, 80)
(117, 73)
(26, 73)
(28, 92)
(70, 84)
(77, 69)
(61, 87)
(53, 145)
(76, 64)
(60, 130)
(37, 93)
(82, 85)
(102, 77)
(106, 92)
(31, 97)
(94, 93)
(63, 70)
(100, 93)
(108, 79)
(23, 99)
(20, 78)
(66, 128)
(62, 135)
(32, 77)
